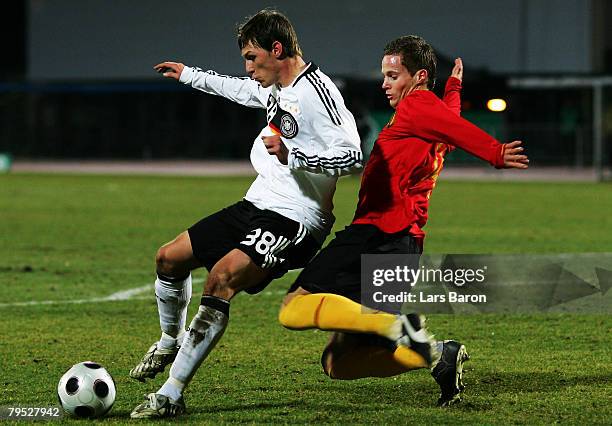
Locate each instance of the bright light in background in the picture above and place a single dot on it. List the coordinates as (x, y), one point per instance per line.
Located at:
(496, 105)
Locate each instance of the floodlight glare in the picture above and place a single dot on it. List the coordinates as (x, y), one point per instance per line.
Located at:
(496, 105)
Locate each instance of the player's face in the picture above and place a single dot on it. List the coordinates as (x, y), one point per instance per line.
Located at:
(260, 65)
(397, 80)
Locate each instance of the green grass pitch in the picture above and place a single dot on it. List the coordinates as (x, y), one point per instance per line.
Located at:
(67, 238)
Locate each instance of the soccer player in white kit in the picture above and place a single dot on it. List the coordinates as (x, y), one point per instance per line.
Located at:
(310, 140)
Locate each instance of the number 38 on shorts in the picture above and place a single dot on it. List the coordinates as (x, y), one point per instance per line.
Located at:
(268, 245)
(271, 240)
(263, 241)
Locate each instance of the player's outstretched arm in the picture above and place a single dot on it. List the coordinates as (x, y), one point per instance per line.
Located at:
(452, 90)
(170, 69)
(241, 90)
(514, 157)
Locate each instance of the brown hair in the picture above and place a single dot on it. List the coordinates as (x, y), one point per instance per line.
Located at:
(266, 27)
(416, 54)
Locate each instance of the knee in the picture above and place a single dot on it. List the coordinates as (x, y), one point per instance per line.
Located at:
(166, 264)
(290, 315)
(286, 315)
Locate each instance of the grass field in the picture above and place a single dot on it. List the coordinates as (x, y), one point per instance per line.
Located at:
(83, 238)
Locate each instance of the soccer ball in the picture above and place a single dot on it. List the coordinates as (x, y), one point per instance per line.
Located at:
(86, 390)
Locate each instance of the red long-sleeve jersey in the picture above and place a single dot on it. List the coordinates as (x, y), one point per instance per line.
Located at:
(408, 157)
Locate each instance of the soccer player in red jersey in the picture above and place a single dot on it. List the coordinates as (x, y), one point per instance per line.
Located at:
(391, 213)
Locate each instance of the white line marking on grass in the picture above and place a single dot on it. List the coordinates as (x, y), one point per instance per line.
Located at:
(117, 296)
(123, 295)
(129, 294)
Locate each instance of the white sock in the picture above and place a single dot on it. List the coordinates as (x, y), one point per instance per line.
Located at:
(205, 330)
(173, 296)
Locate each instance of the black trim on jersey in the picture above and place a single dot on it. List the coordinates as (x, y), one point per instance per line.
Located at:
(350, 153)
(348, 159)
(211, 72)
(327, 165)
(333, 115)
(271, 107)
(331, 98)
(271, 101)
(309, 69)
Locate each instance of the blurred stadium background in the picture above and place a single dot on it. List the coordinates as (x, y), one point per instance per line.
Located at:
(76, 81)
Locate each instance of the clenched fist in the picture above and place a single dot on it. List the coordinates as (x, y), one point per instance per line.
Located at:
(275, 146)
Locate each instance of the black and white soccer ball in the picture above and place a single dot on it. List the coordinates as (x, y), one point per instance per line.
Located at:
(86, 390)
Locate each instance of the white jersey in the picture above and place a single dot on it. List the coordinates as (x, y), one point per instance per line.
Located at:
(316, 127)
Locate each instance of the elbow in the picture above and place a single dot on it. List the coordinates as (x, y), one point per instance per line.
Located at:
(356, 168)
(353, 163)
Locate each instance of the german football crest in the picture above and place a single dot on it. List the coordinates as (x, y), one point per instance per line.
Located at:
(284, 123)
(288, 126)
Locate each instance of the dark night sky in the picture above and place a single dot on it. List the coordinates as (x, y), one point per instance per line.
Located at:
(190, 40)
(13, 33)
